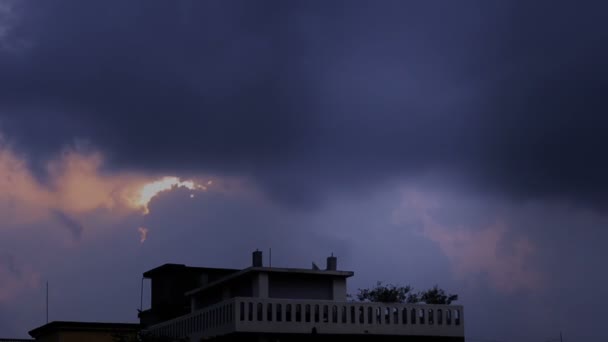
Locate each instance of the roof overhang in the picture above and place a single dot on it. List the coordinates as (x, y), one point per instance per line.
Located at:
(253, 270)
(172, 268)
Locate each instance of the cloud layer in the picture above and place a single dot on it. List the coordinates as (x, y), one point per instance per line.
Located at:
(76, 185)
(16, 277)
(473, 250)
(341, 95)
(332, 107)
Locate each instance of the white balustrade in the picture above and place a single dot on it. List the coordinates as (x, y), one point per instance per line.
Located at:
(263, 315)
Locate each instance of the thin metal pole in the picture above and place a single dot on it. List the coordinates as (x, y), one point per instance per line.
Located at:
(560, 337)
(141, 295)
(47, 302)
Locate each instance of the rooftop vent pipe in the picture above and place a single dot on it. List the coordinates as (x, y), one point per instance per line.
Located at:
(257, 259)
(332, 263)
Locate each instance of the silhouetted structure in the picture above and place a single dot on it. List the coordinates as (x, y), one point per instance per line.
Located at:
(169, 283)
(60, 331)
(283, 304)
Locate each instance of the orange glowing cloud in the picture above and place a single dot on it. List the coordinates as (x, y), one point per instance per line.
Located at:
(76, 185)
(475, 251)
(143, 234)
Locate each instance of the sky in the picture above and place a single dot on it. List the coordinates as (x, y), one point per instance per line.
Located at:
(458, 143)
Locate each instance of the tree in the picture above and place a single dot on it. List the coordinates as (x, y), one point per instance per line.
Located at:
(386, 294)
(404, 294)
(437, 296)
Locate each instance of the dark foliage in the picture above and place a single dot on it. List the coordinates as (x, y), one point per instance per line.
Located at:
(390, 293)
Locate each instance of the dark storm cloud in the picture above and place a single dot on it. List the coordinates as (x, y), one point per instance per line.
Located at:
(305, 96)
(546, 125)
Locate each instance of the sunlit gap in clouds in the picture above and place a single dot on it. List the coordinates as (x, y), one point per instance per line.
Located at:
(151, 189)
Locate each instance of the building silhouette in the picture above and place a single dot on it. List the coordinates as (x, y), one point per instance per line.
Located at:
(62, 331)
(261, 303)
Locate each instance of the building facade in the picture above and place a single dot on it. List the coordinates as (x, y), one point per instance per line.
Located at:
(283, 304)
(62, 331)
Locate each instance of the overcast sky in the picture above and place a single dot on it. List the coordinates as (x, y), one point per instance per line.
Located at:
(459, 143)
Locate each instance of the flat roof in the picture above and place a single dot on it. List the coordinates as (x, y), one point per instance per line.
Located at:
(169, 268)
(249, 270)
(83, 326)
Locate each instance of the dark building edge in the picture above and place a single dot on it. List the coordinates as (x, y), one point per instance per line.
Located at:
(248, 337)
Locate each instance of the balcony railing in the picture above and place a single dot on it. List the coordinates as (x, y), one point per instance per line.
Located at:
(286, 316)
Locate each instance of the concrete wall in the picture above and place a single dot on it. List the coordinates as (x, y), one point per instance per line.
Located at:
(260, 285)
(266, 337)
(168, 300)
(296, 286)
(288, 316)
(241, 287)
(339, 289)
(274, 285)
(209, 297)
(168, 288)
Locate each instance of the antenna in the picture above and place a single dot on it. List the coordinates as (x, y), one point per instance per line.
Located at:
(269, 257)
(141, 296)
(47, 302)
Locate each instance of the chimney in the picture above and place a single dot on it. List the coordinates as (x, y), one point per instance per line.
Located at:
(257, 259)
(332, 263)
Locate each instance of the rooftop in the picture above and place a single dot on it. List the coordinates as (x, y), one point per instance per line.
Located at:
(170, 268)
(82, 326)
(251, 270)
